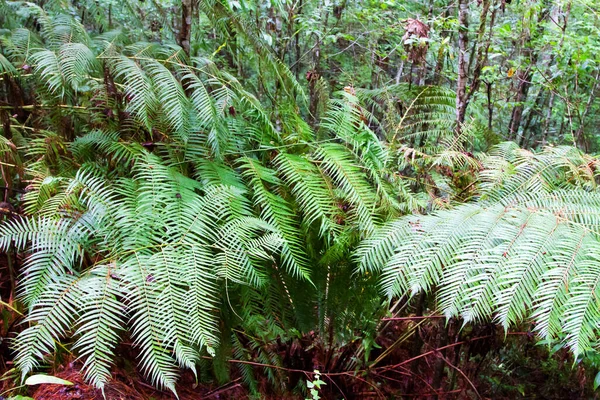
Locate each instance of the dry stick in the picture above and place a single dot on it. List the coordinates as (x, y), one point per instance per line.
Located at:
(462, 373)
(34, 106)
(353, 373)
(394, 312)
(337, 386)
(223, 390)
(432, 352)
(401, 339)
(2, 303)
(370, 384)
(413, 318)
(432, 393)
(218, 389)
(408, 373)
(418, 376)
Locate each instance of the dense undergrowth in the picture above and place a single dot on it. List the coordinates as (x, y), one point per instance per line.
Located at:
(208, 217)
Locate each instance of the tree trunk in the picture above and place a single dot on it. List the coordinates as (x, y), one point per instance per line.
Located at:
(399, 73)
(297, 42)
(418, 343)
(525, 77)
(536, 109)
(546, 128)
(482, 49)
(490, 105)
(185, 31)
(579, 137)
(548, 118)
(463, 48)
(517, 112)
(439, 65)
(438, 366)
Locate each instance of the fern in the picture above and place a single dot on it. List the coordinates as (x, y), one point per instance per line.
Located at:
(525, 250)
(277, 212)
(166, 199)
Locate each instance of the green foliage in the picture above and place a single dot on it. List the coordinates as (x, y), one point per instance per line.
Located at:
(264, 188)
(220, 213)
(315, 385)
(526, 249)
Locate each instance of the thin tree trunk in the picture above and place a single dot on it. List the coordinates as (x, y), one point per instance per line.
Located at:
(439, 66)
(297, 42)
(538, 104)
(579, 137)
(463, 46)
(548, 119)
(418, 343)
(517, 112)
(546, 128)
(525, 78)
(562, 128)
(423, 68)
(482, 48)
(185, 31)
(438, 367)
(399, 73)
(490, 106)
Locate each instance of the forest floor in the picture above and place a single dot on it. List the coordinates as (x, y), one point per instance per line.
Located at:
(487, 365)
(126, 387)
(479, 378)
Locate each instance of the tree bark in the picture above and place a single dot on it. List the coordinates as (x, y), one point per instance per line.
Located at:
(517, 112)
(399, 73)
(548, 118)
(463, 48)
(482, 48)
(438, 366)
(546, 128)
(439, 65)
(297, 42)
(579, 137)
(185, 33)
(415, 350)
(490, 105)
(525, 76)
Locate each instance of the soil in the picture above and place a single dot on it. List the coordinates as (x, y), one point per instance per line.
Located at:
(124, 387)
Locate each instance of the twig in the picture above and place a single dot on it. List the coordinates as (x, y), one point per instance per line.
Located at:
(337, 386)
(215, 393)
(34, 106)
(433, 352)
(413, 318)
(2, 303)
(354, 373)
(462, 373)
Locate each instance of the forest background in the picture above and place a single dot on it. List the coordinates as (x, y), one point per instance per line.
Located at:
(300, 199)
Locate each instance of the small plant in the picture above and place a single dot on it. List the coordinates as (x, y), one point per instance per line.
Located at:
(315, 386)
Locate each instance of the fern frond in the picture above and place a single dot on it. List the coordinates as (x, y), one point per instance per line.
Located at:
(507, 261)
(312, 192)
(149, 333)
(76, 62)
(102, 318)
(138, 88)
(210, 117)
(277, 211)
(338, 163)
(170, 95)
(52, 316)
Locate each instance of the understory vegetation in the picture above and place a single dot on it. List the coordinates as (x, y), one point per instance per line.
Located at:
(299, 199)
